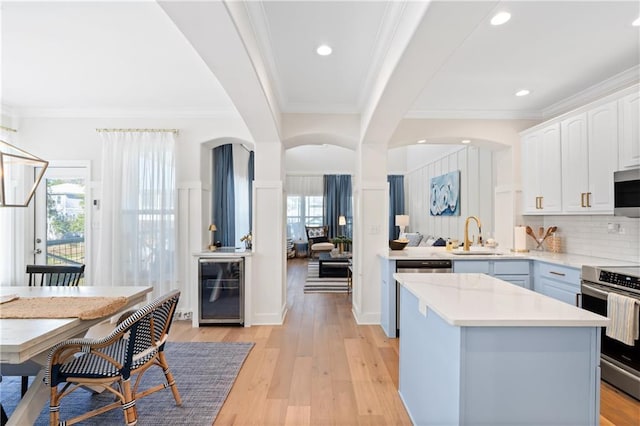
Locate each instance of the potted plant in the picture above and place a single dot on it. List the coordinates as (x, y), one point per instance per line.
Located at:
(247, 241)
(340, 241)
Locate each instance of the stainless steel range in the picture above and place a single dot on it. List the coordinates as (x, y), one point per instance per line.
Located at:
(620, 363)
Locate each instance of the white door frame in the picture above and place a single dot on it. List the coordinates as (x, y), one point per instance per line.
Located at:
(62, 169)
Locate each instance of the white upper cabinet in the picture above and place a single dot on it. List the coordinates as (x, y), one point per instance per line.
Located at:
(589, 158)
(603, 156)
(629, 125)
(568, 162)
(575, 160)
(541, 171)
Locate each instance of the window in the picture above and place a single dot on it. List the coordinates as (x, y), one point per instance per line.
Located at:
(303, 210)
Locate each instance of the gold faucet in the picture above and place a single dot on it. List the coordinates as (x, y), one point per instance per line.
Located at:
(467, 243)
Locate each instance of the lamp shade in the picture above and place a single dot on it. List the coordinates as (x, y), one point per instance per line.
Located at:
(342, 220)
(212, 228)
(402, 220)
(15, 166)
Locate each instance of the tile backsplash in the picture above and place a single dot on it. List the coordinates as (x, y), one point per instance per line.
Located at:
(590, 235)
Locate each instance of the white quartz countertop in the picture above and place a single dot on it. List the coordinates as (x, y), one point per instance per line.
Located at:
(479, 300)
(224, 252)
(481, 253)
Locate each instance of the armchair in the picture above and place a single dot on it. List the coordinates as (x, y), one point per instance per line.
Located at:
(318, 237)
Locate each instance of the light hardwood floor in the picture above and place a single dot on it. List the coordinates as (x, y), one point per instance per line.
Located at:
(320, 368)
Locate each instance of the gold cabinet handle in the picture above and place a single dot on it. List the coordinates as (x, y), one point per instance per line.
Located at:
(537, 202)
(588, 199)
(582, 194)
(541, 207)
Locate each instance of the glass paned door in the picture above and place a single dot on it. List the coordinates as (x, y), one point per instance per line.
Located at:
(60, 218)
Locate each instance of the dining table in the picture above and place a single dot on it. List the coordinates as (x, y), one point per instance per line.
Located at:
(30, 339)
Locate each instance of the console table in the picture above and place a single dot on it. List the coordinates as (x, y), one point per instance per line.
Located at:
(334, 266)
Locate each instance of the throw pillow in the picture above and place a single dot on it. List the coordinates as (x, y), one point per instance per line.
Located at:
(440, 243)
(413, 237)
(320, 240)
(316, 232)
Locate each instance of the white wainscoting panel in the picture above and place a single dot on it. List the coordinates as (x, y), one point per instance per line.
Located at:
(476, 194)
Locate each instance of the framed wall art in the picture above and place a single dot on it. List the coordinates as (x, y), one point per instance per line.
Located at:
(445, 194)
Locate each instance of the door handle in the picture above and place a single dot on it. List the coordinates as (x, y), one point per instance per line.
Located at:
(38, 240)
(37, 251)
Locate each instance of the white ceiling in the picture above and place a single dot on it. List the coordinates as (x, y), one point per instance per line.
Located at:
(101, 57)
(128, 57)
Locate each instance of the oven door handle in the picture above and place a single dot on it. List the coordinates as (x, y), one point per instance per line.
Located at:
(594, 292)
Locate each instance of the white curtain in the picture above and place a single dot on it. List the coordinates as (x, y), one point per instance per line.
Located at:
(305, 185)
(137, 243)
(301, 186)
(10, 221)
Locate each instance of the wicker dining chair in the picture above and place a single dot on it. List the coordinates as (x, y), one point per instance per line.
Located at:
(133, 347)
(54, 275)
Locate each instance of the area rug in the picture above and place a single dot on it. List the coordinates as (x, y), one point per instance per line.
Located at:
(204, 372)
(314, 284)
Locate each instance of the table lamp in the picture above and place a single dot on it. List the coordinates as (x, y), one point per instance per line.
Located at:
(213, 229)
(402, 221)
(342, 221)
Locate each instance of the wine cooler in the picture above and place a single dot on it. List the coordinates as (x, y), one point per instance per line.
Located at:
(221, 291)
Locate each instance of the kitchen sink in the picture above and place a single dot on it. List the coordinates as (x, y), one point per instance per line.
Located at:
(476, 253)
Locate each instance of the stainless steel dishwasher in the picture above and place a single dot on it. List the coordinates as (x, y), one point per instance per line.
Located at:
(420, 267)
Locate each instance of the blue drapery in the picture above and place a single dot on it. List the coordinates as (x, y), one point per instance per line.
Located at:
(337, 202)
(252, 176)
(223, 207)
(396, 203)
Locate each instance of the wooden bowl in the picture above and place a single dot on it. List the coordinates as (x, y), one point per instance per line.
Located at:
(398, 244)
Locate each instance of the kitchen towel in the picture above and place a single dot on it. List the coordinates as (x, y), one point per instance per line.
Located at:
(624, 316)
(520, 238)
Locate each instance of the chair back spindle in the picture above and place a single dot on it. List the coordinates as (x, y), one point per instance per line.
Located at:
(54, 275)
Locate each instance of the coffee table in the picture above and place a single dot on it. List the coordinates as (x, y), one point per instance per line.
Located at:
(336, 267)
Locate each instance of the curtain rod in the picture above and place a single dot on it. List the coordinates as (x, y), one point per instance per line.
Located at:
(175, 131)
(8, 129)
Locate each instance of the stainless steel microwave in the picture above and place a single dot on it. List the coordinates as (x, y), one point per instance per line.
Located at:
(626, 185)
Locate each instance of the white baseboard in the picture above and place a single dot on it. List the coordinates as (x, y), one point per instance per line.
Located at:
(269, 319)
(366, 318)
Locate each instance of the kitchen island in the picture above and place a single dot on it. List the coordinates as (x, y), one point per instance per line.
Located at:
(477, 350)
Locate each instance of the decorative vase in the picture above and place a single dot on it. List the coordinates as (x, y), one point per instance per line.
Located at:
(340, 248)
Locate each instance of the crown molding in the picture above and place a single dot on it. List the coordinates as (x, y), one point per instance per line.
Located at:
(475, 114)
(311, 108)
(119, 113)
(605, 87)
(7, 111)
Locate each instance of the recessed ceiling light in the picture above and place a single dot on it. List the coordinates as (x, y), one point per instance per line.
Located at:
(636, 23)
(500, 18)
(465, 141)
(422, 141)
(324, 50)
(523, 92)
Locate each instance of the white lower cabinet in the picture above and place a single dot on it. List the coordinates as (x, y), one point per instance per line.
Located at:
(514, 271)
(560, 282)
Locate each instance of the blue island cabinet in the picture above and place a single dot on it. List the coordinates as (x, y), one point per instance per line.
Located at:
(488, 375)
